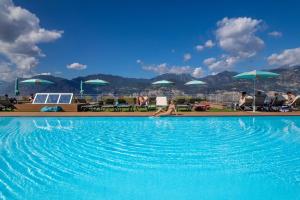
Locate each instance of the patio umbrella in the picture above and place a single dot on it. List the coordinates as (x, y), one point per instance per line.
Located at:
(97, 82)
(17, 91)
(37, 81)
(195, 82)
(81, 88)
(163, 83)
(254, 75)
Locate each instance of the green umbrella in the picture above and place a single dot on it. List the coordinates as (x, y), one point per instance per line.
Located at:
(17, 91)
(254, 75)
(163, 83)
(37, 81)
(81, 89)
(96, 82)
(195, 82)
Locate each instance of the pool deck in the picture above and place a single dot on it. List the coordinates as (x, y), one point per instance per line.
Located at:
(140, 114)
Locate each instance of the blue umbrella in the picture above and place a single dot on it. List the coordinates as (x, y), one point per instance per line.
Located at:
(254, 75)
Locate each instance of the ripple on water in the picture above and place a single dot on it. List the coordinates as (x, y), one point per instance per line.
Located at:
(41, 152)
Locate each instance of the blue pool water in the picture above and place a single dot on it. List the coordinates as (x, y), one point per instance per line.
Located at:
(150, 158)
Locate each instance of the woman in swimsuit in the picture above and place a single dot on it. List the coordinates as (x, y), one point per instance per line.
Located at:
(171, 109)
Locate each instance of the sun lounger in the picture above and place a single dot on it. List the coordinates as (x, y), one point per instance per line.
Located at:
(248, 104)
(123, 104)
(6, 104)
(161, 102)
(109, 104)
(295, 105)
(2, 107)
(202, 106)
(260, 102)
(276, 104)
(151, 104)
(182, 103)
(93, 106)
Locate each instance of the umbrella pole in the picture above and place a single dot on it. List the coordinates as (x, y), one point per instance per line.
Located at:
(254, 95)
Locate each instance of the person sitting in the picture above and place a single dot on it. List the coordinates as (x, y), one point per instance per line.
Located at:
(201, 106)
(142, 101)
(242, 100)
(260, 94)
(11, 100)
(171, 109)
(290, 98)
(31, 97)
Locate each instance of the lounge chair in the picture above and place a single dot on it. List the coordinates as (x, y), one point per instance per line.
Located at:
(202, 106)
(182, 103)
(248, 105)
(6, 104)
(123, 104)
(93, 106)
(161, 102)
(295, 105)
(151, 106)
(108, 104)
(144, 106)
(1, 107)
(260, 102)
(276, 104)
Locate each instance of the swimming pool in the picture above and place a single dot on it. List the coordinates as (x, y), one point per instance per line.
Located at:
(150, 158)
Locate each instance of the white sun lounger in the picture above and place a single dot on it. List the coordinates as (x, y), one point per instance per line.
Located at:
(161, 102)
(296, 102)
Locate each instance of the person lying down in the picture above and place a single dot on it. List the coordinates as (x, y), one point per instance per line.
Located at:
(170, 111)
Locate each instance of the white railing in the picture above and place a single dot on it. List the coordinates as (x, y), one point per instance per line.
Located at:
(58, 98)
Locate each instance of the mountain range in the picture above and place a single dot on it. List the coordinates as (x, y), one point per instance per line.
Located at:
(289, 79)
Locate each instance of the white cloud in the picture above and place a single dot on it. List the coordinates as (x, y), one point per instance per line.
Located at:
(45, 74)
(20, 33)
(209, 44)
(138, 61)
(6, 72)
(237, 36)
(209, 61)
(198, 72)
(199, 47)
(288, 57)
(224, 63)
(164, 68)
(76, 66)
(187, 57)
(275, 34)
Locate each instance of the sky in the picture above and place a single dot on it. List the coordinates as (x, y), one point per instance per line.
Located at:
(136, 38)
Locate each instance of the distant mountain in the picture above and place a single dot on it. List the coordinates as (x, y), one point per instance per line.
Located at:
(289, 79)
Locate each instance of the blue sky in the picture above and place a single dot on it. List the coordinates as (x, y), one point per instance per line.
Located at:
(146, 38)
